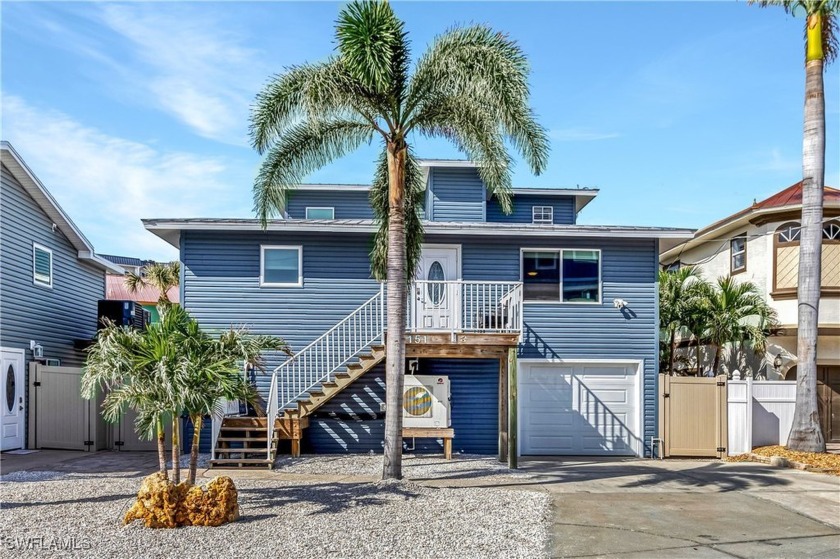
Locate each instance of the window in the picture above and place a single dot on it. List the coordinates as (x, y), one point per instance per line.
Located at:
(581, 276)
(42, 266)
(788, 233)
(567, 276)
(831, 231)
(280, 266)
(542, 214)
(320, 213)
(738, 254)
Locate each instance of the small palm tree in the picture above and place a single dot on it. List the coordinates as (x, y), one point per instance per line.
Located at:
(470, 87)
(680, 293)
(161, 276)
(737, 312)
(821, 49)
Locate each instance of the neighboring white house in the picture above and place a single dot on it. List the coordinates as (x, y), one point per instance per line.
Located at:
(761, 244)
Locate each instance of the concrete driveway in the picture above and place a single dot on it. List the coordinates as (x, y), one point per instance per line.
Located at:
(688, 508)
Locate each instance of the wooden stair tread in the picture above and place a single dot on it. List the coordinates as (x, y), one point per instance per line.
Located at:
(260, 461)
(244, 439)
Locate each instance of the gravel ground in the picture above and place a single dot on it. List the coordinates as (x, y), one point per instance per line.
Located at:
(302, 520)
(414, 466)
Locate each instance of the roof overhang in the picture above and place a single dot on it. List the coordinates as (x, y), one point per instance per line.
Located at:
(170, 229)
(35, 188)
(720, 229)
(582, 196)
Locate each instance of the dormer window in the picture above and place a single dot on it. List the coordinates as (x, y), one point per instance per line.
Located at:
(543, 215)
(320, 213)
(738, 254)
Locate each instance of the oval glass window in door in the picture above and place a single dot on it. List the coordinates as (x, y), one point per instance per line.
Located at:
(10, 388)
(436, 290)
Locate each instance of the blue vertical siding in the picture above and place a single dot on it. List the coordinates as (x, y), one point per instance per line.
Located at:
(222, 288)
(457, 194)
(564, 209)
(205, 440)
(348, 204)
(55, 316)
(351, 422)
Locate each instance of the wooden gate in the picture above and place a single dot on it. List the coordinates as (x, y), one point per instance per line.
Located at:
(692, 416)
(58, 415)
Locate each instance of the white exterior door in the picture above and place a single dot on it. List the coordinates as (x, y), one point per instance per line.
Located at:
(579, 409)
(435, 301)
(12, 399)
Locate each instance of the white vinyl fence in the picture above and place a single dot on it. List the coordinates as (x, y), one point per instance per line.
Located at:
(760, 413)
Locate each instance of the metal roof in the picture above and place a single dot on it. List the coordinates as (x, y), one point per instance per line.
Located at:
(169, 229)
(116, 290)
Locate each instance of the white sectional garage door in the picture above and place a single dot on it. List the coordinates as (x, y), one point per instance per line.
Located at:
(579, 409)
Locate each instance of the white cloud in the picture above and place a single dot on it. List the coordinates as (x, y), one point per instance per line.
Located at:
(194, 67)
(106, 184)
(580, 135)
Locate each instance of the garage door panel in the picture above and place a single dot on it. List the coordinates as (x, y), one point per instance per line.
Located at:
(578, 409)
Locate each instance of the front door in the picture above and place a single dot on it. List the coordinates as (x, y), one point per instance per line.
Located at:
(829, 400)
(11, 399)
(435, 299)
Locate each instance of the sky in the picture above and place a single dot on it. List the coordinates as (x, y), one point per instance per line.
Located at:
(680, 112)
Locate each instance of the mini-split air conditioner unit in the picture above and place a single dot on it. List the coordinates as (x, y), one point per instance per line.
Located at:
(426, 401)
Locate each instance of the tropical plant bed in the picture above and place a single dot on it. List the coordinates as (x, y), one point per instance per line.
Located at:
(811, 461)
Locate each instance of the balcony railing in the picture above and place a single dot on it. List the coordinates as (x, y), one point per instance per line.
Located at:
(465, 306)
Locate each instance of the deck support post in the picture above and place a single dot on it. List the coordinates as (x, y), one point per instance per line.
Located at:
(503, 408)
(513, 452)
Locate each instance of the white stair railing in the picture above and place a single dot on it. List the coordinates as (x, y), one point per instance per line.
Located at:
(322, 358)
(271, 411)
(465, 306)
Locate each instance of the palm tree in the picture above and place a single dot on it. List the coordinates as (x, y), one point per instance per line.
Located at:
(696, 321)
(470, 87)
(161, 276)
(821, 49)
(736, 312)
(679, 295)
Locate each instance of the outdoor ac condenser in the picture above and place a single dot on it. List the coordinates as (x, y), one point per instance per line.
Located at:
(426, 401)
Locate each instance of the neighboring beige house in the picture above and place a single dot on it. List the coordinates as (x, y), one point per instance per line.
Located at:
(761, 244)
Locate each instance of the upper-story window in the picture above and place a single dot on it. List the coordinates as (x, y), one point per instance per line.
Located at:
(542, 214)
(786, 259)
(281, 266)
(567, 276)
(320, 213)
(42, 265)
(738, 254)
(831, 231)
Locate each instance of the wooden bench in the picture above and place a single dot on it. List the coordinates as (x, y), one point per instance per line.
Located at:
(432, 433)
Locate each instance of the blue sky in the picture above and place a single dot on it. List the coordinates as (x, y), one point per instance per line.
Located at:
(680, 112)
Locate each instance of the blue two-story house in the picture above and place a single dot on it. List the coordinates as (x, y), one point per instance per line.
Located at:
(546, 329)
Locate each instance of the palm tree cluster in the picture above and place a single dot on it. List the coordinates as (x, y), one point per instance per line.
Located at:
(716, 314)
(163, 276)
(470, 87)
(171, 369)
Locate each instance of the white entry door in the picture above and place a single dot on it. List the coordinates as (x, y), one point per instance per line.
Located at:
(12, 399)
(436, 301)
(579, 409)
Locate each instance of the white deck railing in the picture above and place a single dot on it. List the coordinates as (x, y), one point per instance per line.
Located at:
(465, 306)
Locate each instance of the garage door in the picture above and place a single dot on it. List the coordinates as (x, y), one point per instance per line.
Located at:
(578, 409)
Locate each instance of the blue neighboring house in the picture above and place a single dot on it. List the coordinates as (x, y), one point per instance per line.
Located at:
(571, 309)
(50, 282)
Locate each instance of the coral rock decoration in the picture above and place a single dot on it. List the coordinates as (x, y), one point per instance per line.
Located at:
(163, 504)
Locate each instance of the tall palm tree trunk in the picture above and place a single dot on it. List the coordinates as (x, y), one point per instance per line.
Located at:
(396, 298)
(197, 421)
(716, 363)
(671, 356)
(805, 434)
(699, 358)
(176, 448)
(161, 446)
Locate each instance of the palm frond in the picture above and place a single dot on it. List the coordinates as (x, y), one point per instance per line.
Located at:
(304, 148)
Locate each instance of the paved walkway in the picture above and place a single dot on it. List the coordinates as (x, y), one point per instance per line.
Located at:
(622, 508)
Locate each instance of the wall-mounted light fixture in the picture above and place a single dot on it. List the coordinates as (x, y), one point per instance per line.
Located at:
(620, 303)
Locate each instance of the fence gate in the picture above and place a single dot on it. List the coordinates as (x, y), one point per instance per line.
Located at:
(59, 416)
(692, 416)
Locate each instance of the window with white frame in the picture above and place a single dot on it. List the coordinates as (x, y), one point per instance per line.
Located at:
(566, 275)
(738, 254)
(542, 214)
(320, 213)
(281, 266)
(42, 265)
